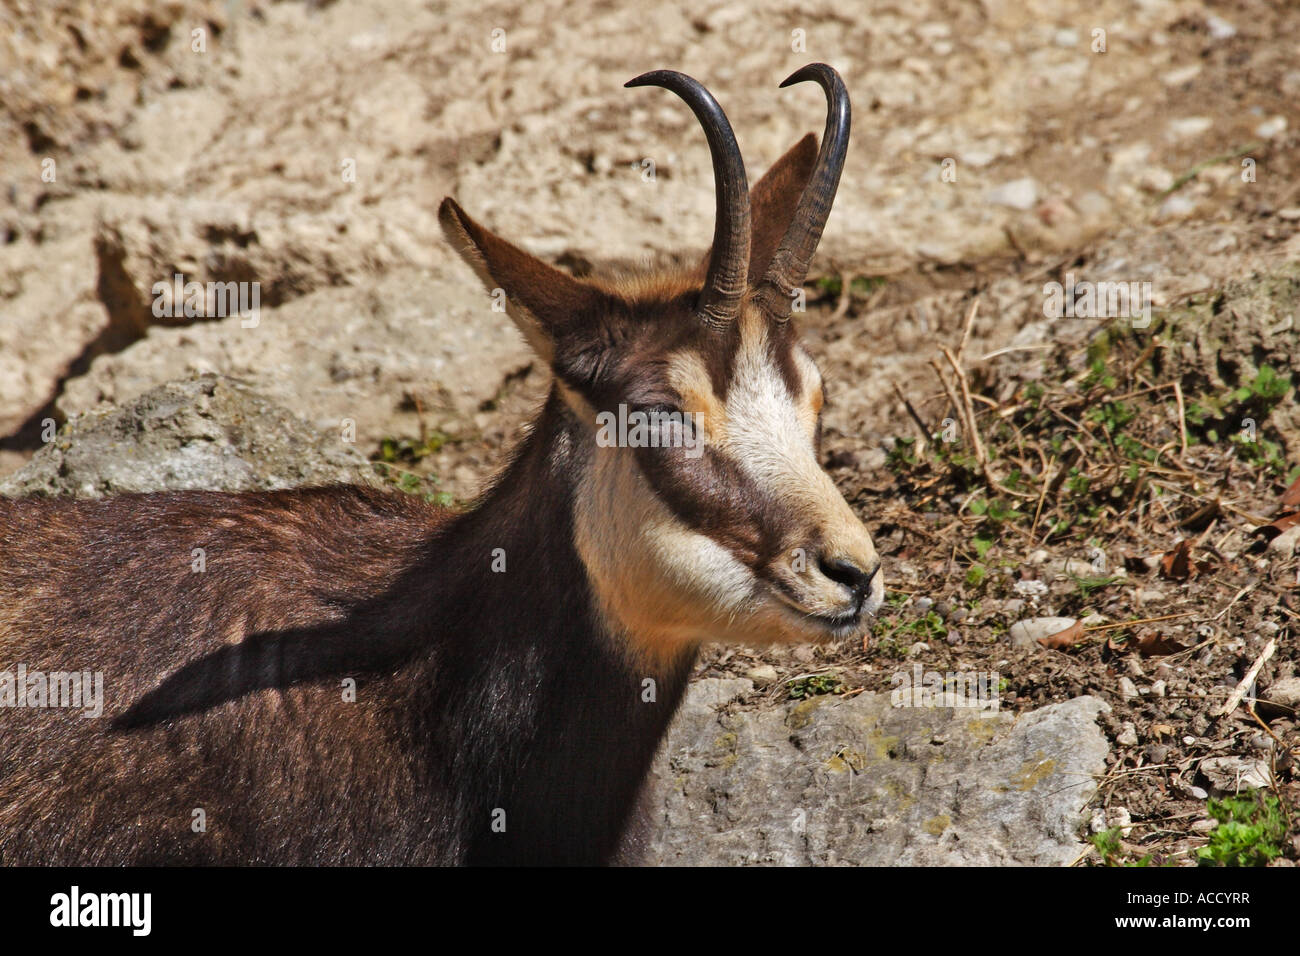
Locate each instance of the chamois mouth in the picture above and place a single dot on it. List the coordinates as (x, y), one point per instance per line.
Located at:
(844, 624)
(837, 624)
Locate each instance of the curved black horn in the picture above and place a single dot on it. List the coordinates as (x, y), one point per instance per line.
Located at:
(729, 261)
(789, 266)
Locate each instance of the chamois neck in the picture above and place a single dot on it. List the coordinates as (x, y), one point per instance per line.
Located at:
(564, 717)
(518, 541)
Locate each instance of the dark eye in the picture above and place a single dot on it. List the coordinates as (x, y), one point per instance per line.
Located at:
(661, 409)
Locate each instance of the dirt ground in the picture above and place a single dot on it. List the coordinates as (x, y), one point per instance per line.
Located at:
(997, 147)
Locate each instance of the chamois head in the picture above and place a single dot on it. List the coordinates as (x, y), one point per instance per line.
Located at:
(704, 512)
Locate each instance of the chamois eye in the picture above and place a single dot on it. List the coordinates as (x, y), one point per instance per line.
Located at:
(662, 409)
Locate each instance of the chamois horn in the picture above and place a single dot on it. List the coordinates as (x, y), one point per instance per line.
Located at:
(789, 265)
(726, 281)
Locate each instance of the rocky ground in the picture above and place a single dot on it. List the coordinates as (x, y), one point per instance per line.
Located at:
(996, 148)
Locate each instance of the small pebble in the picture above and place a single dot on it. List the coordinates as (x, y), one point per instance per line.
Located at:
(1220, 29)
(1120, 817)
(1018, 194)
(1027, 633)
(1275, 126)
(1189, 126)
(1030, 588)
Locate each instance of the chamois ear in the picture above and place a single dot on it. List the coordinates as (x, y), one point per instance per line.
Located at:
(543, 301)
(772, 202)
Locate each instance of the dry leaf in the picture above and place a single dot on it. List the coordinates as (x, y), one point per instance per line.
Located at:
(1291, 496)
(1141, 563)
(1063, 639)
(1177, 564)
(1152, 644)
(1268, 532)
(1148, 644)
(1162, 730)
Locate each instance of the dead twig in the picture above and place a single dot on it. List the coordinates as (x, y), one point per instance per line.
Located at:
(846, 296)
(965, 327)
(912, 412)
(1246, 681)
(1237, 597)
(1144, 620)
(1182, 420)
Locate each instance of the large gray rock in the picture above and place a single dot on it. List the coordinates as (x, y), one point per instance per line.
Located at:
(859, 781)
(208, 432)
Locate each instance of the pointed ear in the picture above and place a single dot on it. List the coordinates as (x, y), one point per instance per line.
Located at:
(543, 301)
(772, 202)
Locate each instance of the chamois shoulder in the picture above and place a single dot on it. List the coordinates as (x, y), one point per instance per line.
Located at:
(158, 570)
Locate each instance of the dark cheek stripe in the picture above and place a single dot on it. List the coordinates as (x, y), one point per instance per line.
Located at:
(712, 496)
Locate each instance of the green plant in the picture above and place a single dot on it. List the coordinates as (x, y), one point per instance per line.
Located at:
(1260, 453)
(1266, 389)
(928, 626)
(802, 687)
(1077, 482)
(860, 286)
(409, 449)
(1112, 416)
(1087, 585)
(1097, 375)
(413, 484)
(902, 456)
(1111, 850)
(1249, 832)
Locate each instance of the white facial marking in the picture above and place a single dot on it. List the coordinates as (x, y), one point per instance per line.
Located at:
(766, 434)
(656, 575)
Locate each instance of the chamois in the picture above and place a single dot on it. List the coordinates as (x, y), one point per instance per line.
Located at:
(358, 677)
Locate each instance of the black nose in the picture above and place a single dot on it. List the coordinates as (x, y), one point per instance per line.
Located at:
(844, 571)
